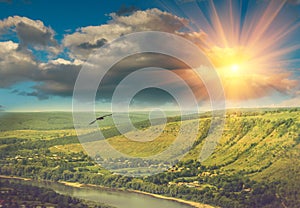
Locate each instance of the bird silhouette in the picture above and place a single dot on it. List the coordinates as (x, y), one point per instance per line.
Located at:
(100, 118)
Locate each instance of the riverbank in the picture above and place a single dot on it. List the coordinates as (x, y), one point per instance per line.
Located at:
(15, 177)
(79, 185)
(191, 203)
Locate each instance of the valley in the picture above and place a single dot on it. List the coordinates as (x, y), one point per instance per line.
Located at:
(255, 163)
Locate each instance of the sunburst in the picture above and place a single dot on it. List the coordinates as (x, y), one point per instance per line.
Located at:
(235, 68)
(249, 42)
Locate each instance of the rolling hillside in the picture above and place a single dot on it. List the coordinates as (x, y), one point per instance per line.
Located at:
(260, 145)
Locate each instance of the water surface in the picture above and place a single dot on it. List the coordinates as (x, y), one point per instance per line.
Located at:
(120, 199)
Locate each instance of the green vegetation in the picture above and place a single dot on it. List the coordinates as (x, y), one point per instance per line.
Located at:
(22, 195)
(254, 165)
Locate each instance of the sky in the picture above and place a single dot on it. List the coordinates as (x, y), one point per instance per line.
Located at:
(252, 45)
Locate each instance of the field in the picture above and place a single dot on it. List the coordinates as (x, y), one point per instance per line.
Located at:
(256, 162)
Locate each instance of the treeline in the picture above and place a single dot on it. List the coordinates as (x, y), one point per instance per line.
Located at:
(216, 187)
(33, 144)
(220, 189)
(24, 195)
(223, 190)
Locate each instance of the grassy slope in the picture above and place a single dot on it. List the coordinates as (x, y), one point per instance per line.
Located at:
(263, 144)
(53, 120)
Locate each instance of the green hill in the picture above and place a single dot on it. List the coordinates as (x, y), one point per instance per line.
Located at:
(255, 164)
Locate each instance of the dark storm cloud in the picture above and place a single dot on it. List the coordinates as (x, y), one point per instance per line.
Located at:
(57, 77)
(98, 44)
(15, 65)
(153, 95)
(124, 10)
(30, 35)
(38, 95)
(148, 20)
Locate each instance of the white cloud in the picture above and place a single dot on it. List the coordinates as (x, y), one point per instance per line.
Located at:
(85, 40)
(30, 33)
(57, 76)
(15, 65)
(292, 102)
(61, 61)
(151, 19)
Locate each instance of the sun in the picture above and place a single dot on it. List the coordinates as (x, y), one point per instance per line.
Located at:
(235, 68)
(248, 45)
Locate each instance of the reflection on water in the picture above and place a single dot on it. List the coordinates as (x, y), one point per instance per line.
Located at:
(120, 199)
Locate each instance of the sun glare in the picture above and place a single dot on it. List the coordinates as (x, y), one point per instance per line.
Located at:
(235, 68)
(248, 50)
(250, 43)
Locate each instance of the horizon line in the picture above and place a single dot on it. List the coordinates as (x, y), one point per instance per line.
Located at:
(107, 111)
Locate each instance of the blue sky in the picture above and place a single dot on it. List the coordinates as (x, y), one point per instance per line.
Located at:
(44, 46)
(63, 17)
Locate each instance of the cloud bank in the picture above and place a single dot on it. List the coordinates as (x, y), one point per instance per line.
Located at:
(31, 33)
(56, 76)
(87, 39)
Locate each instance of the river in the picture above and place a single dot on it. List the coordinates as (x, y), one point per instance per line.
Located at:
(119, 199)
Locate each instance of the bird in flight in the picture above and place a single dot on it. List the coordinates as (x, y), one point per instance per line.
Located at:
(100, 118)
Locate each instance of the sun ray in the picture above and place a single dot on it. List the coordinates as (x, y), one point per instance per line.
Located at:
(249, 43)
(265, 21)
(277, 37)
(217, 24)
(275, 55)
